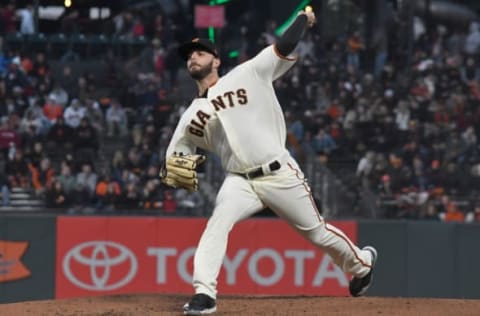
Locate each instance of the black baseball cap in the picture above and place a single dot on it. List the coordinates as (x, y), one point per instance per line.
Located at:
(197, 43)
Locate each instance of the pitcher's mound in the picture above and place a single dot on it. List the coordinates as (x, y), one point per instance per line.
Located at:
(145, 305)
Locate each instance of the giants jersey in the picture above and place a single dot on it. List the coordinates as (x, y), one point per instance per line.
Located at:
(240, 120)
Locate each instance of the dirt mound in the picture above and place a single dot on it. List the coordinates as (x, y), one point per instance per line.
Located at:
(144, 305)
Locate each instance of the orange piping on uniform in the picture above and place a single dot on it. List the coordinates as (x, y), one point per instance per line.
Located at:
(325, 223)
(349, 245)
(308, 191)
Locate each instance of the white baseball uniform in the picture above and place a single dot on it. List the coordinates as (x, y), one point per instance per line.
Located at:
(242, 122)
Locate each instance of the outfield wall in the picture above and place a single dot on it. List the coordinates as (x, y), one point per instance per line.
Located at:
(45, 257)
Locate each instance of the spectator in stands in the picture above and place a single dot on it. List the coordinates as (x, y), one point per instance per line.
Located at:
(35, 154)
(169, 204)
(454, 179)
(60, 94)
(158, 25)
(81, 200)
(31, 120)
(475, 215)
(149, 98)
(94, 114)
(19, 100)
(17, 171)
(85, 140)
(472, 42)
(5, 189)
(470, 148)
(60, 136)
(27, 25)
(133, 162)
(386, 112)
(117, 164)
(295, 132)
(148, 157)
(42, 176)
(138, 29)
(87, 178)
(354, 46)
(128, 176)
(150, 133)
(52, 109)
(365, 168)
(27, 64)
(66, 178)
(150, 174)
(449, 211)
(130, 199)
(107, 194)
(9, 18)
(146, 63)
(56, 197)
(431, 212)
(151, 198)
(15, 77)
(67, 80)
(8, 136)
(116, 119)
(74, 113)
(29, 138)
(40, 67)
(82, 89)
(323, 142)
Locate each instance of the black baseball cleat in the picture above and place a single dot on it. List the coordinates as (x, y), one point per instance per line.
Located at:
(200, 304)
(359, 286)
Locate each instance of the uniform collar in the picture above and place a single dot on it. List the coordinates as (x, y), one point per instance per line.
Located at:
(204, 95)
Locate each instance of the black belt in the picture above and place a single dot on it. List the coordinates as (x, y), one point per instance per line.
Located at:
(259, 171)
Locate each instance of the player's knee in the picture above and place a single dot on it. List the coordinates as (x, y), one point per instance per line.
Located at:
(315, 235)
(217, 226)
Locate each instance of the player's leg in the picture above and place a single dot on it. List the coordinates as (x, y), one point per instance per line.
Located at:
(235, 201)
(288, 194)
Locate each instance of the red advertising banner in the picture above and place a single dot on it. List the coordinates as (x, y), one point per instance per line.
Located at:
(113, 255)
(209, 16)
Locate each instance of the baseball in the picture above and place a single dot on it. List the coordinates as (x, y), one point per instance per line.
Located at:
(308, 8)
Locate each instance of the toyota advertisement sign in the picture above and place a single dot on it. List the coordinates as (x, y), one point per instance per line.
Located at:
(106, 255)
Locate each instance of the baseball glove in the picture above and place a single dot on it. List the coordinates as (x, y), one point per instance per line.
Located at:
(179, 171)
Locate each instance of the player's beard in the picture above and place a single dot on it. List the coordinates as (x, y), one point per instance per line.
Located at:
(201, 72)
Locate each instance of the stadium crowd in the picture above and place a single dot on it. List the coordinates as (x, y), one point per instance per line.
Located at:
(411, 125)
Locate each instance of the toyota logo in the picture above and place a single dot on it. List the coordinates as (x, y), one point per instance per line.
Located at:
(100, 265)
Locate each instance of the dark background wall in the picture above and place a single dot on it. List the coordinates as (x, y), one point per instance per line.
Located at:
(39, 257)
(424, 259)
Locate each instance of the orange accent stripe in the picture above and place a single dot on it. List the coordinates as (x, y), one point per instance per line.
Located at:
(307, 188)
(325, 223)
(280, 55)
(349, 245)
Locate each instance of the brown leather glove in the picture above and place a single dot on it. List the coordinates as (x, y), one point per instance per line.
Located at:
(179, 171)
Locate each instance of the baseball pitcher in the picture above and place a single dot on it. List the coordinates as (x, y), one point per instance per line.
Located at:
(238, 117)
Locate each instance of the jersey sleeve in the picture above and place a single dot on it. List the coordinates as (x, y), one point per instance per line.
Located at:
(180, 142)
(270, 64)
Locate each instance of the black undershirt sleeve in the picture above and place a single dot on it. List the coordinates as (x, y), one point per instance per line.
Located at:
(290, 38)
